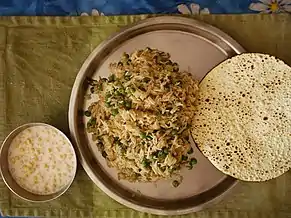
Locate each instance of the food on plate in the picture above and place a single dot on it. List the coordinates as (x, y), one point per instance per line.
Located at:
(141, 115)
(41, 160)
(243, 117)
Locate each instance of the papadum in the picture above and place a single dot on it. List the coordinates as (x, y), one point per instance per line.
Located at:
(242, 122)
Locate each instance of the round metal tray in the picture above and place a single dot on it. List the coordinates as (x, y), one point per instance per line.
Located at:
(196, 47)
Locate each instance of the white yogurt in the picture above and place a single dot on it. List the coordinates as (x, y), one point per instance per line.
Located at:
(41, 160)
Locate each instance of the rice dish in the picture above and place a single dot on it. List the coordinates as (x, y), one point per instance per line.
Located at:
(141, 116)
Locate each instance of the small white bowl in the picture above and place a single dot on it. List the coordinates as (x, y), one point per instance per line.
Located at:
(12, 184)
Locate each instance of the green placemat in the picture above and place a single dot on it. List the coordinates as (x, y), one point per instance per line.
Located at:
(40, 57)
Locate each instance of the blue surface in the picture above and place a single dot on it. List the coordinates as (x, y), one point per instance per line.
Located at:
(12, 216)
(116, 7)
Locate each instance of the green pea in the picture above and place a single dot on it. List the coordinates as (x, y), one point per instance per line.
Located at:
(165, 150)
(125, 55)
(190, 151)
(143, 135)
(114, 112)
(121, 150)
(108, 104)
(174, 132)
(111, 78)
(107, 96)
(100, 87)
(184, 157)
(145, 162)
(192, 162)
(91, 122)
(118, 83)
(87, 113)
(162, 155)
(127, 104)
(168, 67)
(153, 156)
(121, 90)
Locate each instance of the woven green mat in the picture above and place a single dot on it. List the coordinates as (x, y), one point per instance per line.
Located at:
(40, 57)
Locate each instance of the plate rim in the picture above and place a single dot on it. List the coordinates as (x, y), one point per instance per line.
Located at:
(237, 48)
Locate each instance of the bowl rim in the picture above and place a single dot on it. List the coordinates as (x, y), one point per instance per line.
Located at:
(6, 144)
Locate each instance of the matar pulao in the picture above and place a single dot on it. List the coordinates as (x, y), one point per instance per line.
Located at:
(142, 114)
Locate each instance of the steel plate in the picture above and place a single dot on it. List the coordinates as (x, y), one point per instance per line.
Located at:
(197, 47)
